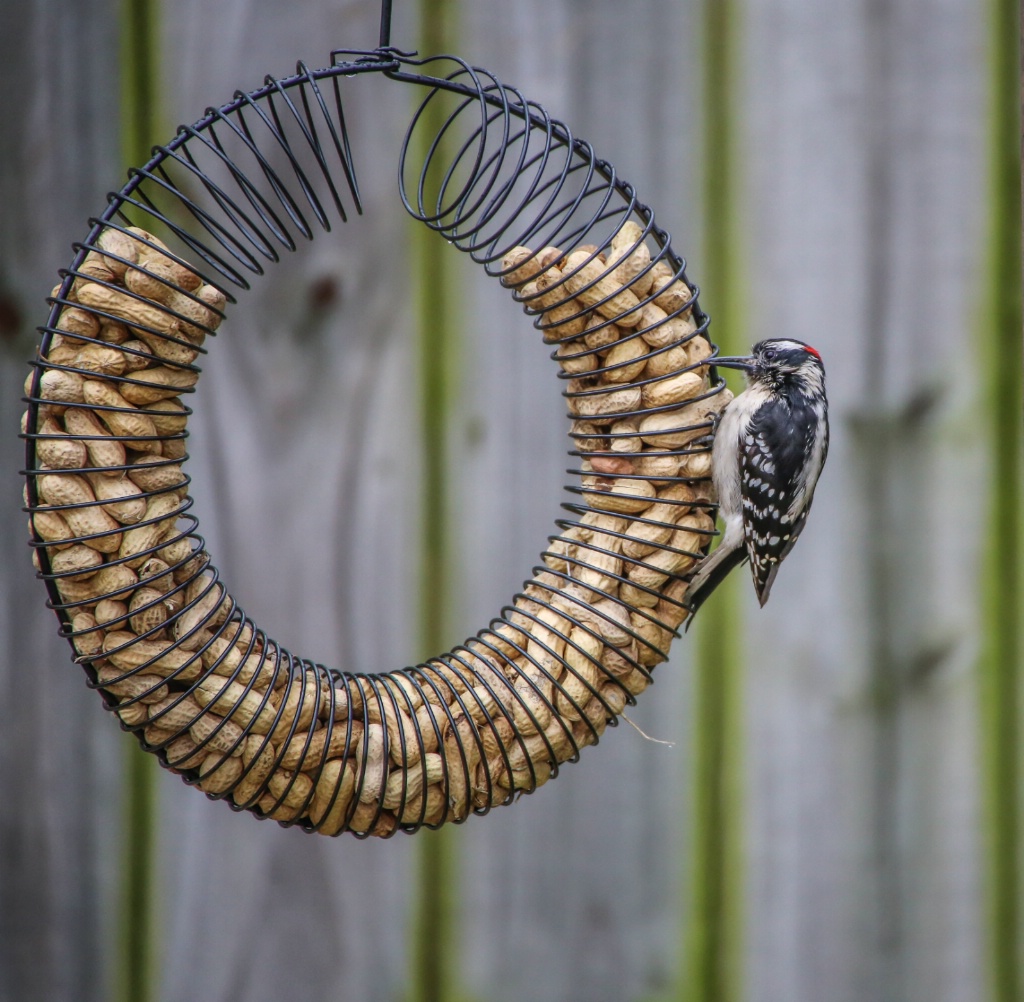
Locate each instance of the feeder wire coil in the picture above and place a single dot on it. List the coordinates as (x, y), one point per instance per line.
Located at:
(117, 542)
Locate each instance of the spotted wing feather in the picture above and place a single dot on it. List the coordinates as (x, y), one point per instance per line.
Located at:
(773, 457)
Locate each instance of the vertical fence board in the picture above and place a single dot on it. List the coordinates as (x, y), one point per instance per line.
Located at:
(577, 891)
(307, 470)
(864, 209)
(59, 753)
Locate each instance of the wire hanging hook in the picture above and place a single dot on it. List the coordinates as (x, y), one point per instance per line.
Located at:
(385, 24)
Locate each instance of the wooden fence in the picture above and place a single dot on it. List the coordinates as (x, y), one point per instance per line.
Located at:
(868, 791)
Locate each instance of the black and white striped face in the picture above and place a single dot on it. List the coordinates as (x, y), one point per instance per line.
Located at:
(781, 363)
(784, 361)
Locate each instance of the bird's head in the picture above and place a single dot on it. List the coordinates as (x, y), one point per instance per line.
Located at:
(778, 363)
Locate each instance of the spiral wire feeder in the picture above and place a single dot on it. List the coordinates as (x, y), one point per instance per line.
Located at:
(118, 545)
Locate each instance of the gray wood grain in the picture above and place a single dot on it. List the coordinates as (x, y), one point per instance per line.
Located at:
(579, 904)
(862, 208)
(305, 441)
(59, 754)
(587, 882)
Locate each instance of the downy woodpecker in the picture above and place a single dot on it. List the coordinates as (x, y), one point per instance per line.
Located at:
(768, 451)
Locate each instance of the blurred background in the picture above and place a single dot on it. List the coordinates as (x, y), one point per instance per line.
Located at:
(838, 815)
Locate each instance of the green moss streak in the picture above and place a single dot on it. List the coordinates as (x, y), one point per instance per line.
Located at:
(139, 125)
(714, 927)
(137, 969)
(713, 934)
(1003, 590)
(140, 79)
(434, 976)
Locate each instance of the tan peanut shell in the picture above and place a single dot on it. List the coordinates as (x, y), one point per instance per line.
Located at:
(60, 353)
(80, 562)
(660, 465)
(670, 294)
(114, 332)
(161, 278)
(625, 360)
(158, 383)
(103, 450)
(565, 320)
(333, 796)
(154, 255)
(623, 495)
(88, 640)
(623, 436)
(197, 314)
(60, 387)
(51, 527)
(155, 573)
(121, 251)
(126, 651)
(631, 258)
(56, 450)
(76, 324)
(675, 428)
(110, 581)
(148, 610)
(183, 753)
(249, 708)
(137, 354)
(666, 361)
(146, 319)
(121, 417)
(168, 416)
(173, 448)
(661, 330)
(92, 269)
(111, 614)
(576, 358)
(122, 499)
(70, 489)
(217, 734)
(600, 332)
(101, 359)
(591, 401)
(518, 267)
(675, 389)
(590, 281)
(146, 688)
(158, 520)
(218, 774)
(154, 474)
(259, 758)
(175, 712)
(521, 265)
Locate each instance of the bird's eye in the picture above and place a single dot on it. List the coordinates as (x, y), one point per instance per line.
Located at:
(769, 354)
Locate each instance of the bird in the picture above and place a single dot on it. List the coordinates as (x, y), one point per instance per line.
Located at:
(768, 452)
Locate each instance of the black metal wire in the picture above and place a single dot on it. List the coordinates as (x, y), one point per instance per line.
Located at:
(247, 180)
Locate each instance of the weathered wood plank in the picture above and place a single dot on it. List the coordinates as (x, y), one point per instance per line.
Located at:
(59, 754)
(865, 207)
(578, 894)
(863, 215)
(305, 475)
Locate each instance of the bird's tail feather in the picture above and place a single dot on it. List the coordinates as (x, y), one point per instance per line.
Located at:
(708, 577)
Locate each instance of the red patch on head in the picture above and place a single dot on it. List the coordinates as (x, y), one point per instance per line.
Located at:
(813, 351)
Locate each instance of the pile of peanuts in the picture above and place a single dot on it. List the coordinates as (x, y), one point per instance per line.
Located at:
(240, 717)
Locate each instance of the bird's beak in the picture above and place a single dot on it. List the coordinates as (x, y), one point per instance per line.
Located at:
(746, 363)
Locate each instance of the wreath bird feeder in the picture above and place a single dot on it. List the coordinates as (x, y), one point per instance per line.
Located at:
(112, 525)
